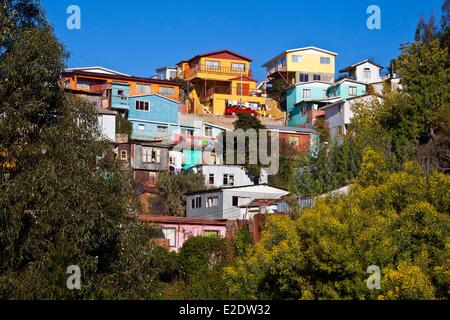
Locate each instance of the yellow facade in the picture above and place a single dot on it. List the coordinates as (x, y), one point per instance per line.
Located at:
(310, 62)
(220, 79)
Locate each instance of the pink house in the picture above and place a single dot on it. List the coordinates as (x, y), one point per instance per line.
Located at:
(178, 229)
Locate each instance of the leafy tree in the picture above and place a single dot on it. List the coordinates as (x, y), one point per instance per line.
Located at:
(172, 188)
(200, 262)
(278, 92)
(400, 224)
(244, 123)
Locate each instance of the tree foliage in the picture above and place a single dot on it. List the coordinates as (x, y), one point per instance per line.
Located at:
(172, 188)
(398, 221)
(63, 198)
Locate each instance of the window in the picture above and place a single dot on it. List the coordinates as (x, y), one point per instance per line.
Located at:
(142, 127)
(121, 93)
(214, 65)
(151, 155)
(325, 60)
(238, 67)
(123, 155)
(169, 234)
(142, 105)
(293, 141)
(228, 180)
(166, 91)
(367, 74)
(162, 129)
(172, 75)
(211, 178)
(297, 58)
(187, 132)
(208, 131)
(317, 77)
(235, 202)
(196, 203)
(306, 93)
(212, 202)
(352, 91)
(83, 84)
(304, 77)
(211, 233)
(143, 88)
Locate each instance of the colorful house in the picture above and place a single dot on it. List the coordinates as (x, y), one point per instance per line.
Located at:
(347, 88)
(177, 230)
(298, 94)
(302, 65)
(222, 84)
(99, 79)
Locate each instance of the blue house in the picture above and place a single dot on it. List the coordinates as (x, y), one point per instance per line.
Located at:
(298, 95)
(153, 116)
(346, 89)
(120, 93)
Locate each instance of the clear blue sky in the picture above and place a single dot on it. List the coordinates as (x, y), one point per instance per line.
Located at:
(137, 36)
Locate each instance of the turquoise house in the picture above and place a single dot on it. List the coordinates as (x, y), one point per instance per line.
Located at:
(153, 116)
(346, 88)
(120, 93)
(297, 94)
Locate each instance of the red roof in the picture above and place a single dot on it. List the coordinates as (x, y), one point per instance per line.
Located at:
(244, 78)
(118, 77)
(221, 54)
(180, 220)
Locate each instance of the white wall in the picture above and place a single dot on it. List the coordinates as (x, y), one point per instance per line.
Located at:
(240, 176)
(374, 70)
(107, 124)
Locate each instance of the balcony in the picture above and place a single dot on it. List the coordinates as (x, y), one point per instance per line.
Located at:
(226, 71)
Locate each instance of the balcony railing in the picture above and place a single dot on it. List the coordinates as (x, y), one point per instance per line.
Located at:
(216, 70)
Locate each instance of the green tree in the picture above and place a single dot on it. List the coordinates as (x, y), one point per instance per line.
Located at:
(171, 189)
(400, 224)
(63, 197)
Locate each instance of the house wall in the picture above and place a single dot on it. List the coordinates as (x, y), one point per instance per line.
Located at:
(375, 73)
(213, 213)
(107, 124)
(162, 111)
(184, 231)
(311, 62)
(240, 176)
(137, 159)
(342, 90)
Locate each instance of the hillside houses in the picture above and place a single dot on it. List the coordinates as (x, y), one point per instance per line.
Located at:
(154, 126)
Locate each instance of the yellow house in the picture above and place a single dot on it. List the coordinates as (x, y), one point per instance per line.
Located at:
(222, 84)
(302, 65)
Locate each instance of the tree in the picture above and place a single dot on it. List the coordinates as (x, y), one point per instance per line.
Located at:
(63, 198)
(399, 224)
(172, 188)
(278, 92)
(246, 123)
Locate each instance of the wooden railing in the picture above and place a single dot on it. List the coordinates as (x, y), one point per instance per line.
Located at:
(216, 70)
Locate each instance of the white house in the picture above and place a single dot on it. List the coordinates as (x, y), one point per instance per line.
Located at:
(365, 71)
(229, 203)
(339, 114)
(219, 176)
(107, 123)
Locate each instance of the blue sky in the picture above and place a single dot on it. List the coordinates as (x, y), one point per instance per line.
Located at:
(137, 36)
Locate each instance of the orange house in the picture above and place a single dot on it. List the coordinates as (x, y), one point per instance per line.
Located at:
(95, 79)
(222, 84)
